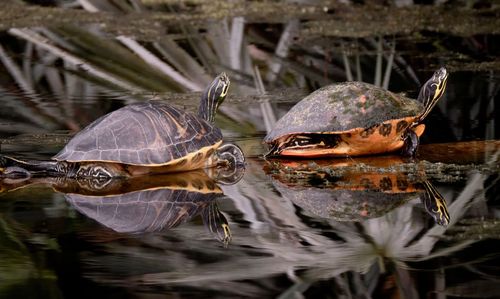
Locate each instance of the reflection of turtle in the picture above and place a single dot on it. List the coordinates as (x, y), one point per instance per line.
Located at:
(143, 203)
(151, 137)
(355, 195)
(355, 118)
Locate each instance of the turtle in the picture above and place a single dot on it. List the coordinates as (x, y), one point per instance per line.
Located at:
(140, 204)
(174, 199)
(355, 119)
(344, 191)
(141, 138)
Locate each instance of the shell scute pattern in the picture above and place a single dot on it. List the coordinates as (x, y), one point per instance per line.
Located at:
(142, 211)
(385, 129)
(151, 133)
(350, 105)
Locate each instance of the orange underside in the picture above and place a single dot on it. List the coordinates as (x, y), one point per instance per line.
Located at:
(353, 144)
(386, 182)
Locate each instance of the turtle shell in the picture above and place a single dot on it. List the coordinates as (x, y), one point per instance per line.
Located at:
(340, 191)
(343, 107)
(147, 134)
(353, 190)
(344, 204)
(144, 210)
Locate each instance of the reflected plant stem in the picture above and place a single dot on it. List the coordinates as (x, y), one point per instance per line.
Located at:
(440, 284)
(359, 284)
(297, 289)
(405, 283)
(381, 263)
(343, 283)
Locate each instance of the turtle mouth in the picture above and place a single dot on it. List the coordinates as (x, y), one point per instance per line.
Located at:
(304, 142)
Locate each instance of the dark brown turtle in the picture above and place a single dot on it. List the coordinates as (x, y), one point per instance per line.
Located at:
(150, 137)
(140, 204)
(353, 119)
(349, 192)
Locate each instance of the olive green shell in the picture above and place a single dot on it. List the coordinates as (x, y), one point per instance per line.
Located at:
(344, 204)
(342, 107)
(150, 133)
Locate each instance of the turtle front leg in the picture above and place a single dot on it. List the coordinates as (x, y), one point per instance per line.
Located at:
(231, 155)
(410, 146)
(411, 140)
(230, 164)
(274, 150)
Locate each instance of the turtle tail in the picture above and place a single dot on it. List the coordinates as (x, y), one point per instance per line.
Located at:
(15, 168)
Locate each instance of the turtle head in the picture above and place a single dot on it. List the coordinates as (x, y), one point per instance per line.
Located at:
(435, 204)
(213, 96)
(433, 90)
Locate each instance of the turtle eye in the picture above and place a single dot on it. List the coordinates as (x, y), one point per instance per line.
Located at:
(222, 88)
(225, 88)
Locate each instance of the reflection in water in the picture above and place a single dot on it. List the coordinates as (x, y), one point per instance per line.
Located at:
(369, 191)
(141, 204)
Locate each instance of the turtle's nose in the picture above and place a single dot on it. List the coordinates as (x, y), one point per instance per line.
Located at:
(442, 73)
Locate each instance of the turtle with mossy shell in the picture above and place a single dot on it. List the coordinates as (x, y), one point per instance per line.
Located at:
(356, 189)
(142, 138)
(355, 119)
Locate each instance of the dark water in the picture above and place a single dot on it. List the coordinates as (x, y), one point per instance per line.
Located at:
(344, 228)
